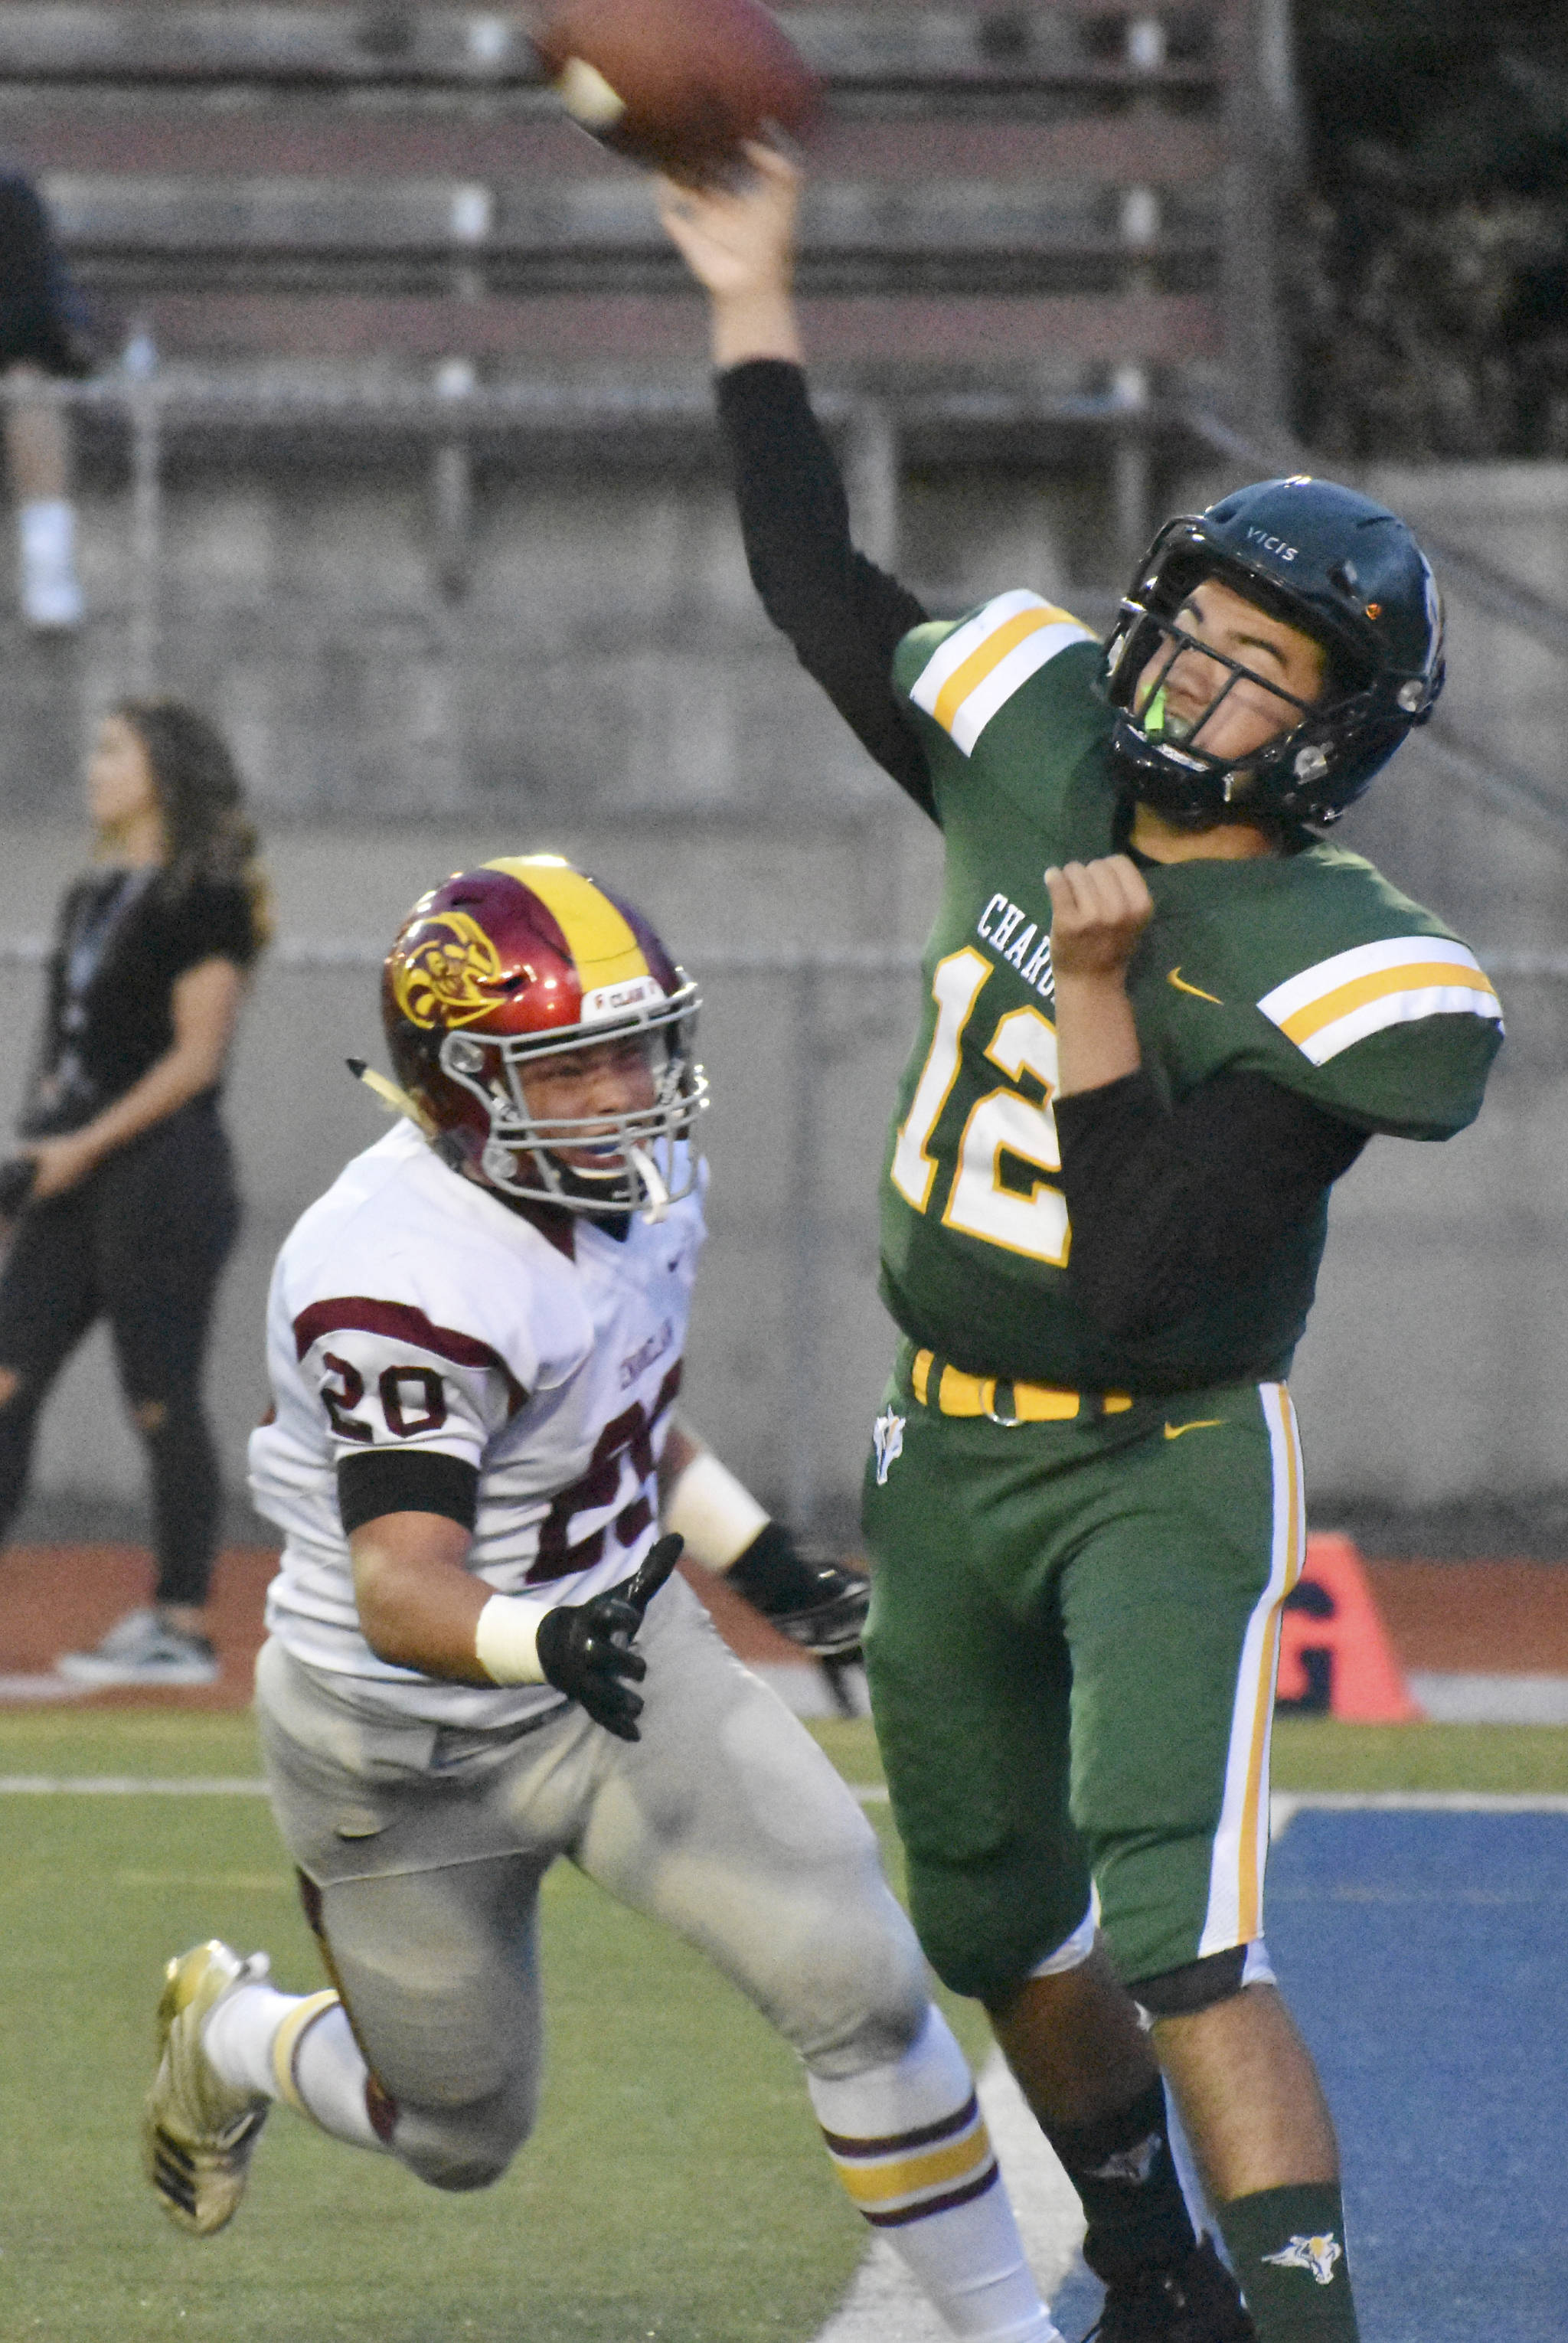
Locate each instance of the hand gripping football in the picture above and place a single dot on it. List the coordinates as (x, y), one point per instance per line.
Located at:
(679, 84)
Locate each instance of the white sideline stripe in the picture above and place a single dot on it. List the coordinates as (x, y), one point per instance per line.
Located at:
(132, 1786)
(213, 1786)
(802, 1687)
(1283, 1806)
(885, 2306)
(1454, 1699)
(1286, 1804)
(15, 1690)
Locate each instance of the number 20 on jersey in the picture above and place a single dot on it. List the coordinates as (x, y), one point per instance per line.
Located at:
(1002, 1123)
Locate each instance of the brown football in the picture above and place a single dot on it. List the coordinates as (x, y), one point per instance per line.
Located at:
(676, 83)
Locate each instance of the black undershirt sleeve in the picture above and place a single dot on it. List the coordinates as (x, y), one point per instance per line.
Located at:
(376, 1481)
(1169, 1203)
(845, 617)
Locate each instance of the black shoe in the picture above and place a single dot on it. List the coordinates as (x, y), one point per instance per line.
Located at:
(1193, 2301)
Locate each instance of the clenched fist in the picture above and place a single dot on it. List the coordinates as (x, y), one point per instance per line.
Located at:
(1099, 910)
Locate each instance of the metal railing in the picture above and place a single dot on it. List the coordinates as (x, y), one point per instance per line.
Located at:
(1501, 596)
(801, 1236)
(463, 50)
(455, 411)
(309, 954)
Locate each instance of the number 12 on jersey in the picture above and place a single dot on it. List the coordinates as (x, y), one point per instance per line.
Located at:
(1002, 1123)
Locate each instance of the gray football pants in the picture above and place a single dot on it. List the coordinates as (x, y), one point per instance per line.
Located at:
(425, 1849)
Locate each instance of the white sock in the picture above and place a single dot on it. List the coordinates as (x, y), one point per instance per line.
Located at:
(46, 536)
(910, 2146)
(298, 2048)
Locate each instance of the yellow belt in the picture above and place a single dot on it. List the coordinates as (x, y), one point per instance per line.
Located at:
(958, 1394)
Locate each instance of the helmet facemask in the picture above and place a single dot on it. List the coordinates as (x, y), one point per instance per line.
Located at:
(1193, 782)
(1173, 769)
(546, 1038)
(634, 1161)
(1334, 568)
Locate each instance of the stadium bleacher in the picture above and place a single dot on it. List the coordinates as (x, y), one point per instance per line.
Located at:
(1068, 190)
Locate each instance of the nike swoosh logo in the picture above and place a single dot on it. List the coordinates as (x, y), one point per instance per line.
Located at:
(1202, 1424)
(1197, 994)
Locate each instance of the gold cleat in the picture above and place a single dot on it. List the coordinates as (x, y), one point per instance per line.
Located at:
(197, 2131)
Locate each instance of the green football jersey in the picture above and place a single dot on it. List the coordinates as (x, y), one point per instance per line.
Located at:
(1308, 968)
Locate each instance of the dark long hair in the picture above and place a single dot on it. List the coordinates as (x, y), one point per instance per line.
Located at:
(202, 800)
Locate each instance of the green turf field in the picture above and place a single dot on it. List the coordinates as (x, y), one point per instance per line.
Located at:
(675, 2188)
(1318, 1753)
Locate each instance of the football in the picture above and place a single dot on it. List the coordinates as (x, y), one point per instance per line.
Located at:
(678, 84)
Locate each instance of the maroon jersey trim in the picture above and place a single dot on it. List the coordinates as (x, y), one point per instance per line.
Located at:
(400, 1322)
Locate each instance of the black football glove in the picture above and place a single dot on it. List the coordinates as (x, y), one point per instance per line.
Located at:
(818, 1604)
(585, 1648)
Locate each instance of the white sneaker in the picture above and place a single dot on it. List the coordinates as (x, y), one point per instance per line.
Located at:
(141, 1649)
(50, 592)
(198, 2132)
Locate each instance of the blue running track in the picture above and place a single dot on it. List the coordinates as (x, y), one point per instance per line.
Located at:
(1425, 1955)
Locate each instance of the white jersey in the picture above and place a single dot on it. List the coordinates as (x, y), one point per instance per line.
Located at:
(413, 1312)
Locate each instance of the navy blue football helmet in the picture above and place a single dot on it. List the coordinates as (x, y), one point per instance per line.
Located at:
(1326, 561)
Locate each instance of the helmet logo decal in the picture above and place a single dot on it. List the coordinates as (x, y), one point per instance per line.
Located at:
(442, 979)
(1260, 537)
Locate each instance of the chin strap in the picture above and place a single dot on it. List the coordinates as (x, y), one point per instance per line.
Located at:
(499, 1162)
(657, 1203)
(395, 1100)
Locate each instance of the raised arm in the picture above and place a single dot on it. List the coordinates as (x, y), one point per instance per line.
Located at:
(844, 616)
(738, 242)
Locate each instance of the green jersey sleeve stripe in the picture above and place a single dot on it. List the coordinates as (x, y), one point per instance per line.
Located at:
(964, 639)
(1399, 1009)
(980, 665)
(1397, 981)
(1317, 985)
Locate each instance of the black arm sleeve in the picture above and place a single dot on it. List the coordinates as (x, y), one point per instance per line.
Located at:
(37, 301)
(845, 617)
(379, 1480)
(1167, 1204)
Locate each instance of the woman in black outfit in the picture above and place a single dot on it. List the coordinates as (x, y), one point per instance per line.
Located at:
(130, 1210)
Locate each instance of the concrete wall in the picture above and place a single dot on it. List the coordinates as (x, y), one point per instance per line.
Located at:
(608, 690)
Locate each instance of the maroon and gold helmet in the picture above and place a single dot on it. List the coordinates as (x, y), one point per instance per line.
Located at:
(524, 961)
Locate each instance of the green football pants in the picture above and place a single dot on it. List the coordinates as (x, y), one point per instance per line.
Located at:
(1071, 1651)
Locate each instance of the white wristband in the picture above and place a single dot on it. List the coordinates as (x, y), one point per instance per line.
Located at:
(507, 1638)
(716, 1515)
